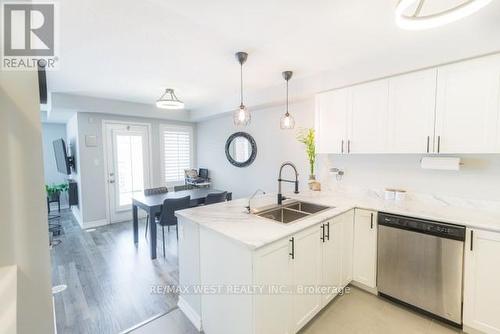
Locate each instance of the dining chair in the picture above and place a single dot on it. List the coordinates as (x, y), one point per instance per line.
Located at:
(150, 192)
(216, 198)
(167, 216)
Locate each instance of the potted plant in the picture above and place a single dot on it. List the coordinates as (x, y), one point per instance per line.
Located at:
(306, 137)
(54, 192)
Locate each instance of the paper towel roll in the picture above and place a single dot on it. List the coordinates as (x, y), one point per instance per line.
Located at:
(440, 163)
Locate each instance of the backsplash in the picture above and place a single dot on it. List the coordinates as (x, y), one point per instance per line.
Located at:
(478, 179)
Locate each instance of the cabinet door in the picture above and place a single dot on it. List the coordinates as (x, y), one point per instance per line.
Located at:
(332, 260)
(467, 109)
(481, 281)
(273, 270)
(306, 273)
(412, 105)
(367, 130)
(331, 121)
(365, 248)
(347, 246)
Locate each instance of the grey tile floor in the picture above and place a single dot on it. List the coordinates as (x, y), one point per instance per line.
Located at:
(356, 312)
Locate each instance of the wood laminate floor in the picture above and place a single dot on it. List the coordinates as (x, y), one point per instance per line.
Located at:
(109, 280)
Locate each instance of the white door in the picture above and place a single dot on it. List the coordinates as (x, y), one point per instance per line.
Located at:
(306, 273)
(332, 259)
(128, 166)
(481, 281)
(468, 107)
(368, 119)
(347, 246)
(412, 104)
(332, 109)
(365, 248)
(273, 270)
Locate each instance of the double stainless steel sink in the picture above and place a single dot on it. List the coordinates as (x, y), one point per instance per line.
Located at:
(291, 211)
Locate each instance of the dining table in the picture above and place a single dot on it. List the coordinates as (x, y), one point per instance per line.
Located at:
(153, 205)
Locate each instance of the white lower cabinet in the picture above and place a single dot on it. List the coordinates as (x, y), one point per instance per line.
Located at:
(481, 281)
(365, 248)
(273, 270)
(320, 256)
(306, 274)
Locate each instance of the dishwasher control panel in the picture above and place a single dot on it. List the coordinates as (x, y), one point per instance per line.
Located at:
(444, 230)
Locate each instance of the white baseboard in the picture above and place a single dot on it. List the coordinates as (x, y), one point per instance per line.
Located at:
(95, 223)
(190, 313)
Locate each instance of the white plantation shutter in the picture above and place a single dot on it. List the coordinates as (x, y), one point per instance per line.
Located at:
(176, 145)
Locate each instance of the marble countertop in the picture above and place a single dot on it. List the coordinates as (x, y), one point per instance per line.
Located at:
(231, 219)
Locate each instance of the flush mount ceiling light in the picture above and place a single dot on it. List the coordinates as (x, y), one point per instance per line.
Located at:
(287, 122)
(241, 116)
(169, 101)
(414, 21)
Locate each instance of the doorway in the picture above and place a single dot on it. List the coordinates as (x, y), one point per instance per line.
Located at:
(128, 166)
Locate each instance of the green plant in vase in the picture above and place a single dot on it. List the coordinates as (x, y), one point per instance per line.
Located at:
(307, 137)
(55, 190)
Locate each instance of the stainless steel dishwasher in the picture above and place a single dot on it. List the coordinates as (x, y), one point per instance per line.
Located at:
(420, 264)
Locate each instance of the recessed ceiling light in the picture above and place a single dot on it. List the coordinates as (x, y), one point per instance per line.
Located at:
(415, 21)
(169, 100)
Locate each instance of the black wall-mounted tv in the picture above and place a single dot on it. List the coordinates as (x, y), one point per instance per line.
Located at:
(63, 161)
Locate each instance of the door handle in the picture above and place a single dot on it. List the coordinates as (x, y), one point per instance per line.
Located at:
(292, 254)
(428, 143)
(322, 233)
(328, 231)
(371, 220)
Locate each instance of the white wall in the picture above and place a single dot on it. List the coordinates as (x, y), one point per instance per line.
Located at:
(478, 179)
(273, 147)
(23, 226)
(51, 132)
(90, 160)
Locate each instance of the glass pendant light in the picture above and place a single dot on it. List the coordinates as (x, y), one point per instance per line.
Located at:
(287, 122)
(169, 100)
(241, 116)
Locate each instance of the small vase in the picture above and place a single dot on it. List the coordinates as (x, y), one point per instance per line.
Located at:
(313, 184)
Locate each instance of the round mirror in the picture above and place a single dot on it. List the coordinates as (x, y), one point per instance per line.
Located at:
(241, 149)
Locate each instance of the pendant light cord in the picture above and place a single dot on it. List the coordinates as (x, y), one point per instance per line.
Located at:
(287, 97)
(241, 84)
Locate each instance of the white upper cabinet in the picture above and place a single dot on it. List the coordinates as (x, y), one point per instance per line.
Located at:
(368, 118)
(449, 109)
(467, 109)
(481, 281)
(332, 109)
(412, 100)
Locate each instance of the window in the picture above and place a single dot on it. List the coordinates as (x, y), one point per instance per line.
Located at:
(177, 151)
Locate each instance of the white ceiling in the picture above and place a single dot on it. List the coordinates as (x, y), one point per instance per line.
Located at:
(130, 50)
